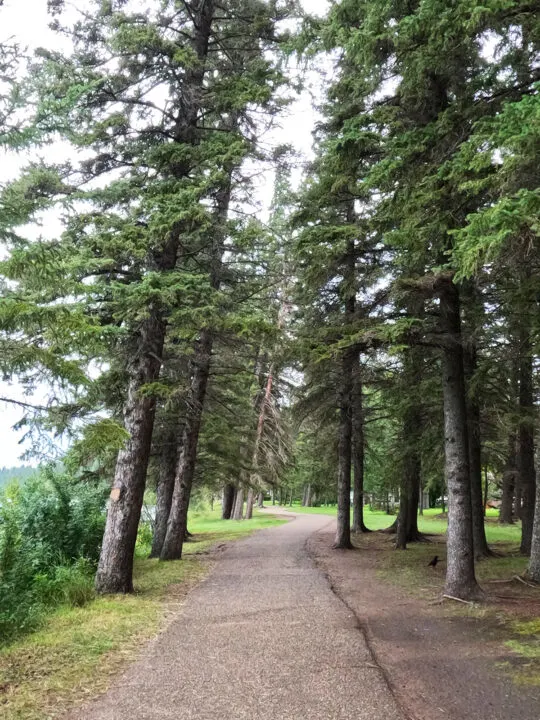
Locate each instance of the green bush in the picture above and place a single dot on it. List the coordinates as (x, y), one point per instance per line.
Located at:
(144, 539)
(50, 534)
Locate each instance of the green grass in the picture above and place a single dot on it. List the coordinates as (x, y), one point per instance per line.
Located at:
(78, 651)
(211, 522)
(526, 644)
(429, 523)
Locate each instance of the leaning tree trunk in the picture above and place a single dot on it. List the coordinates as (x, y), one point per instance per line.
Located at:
(358, 451)
(527, 479)
(227, 502)
(115, 569)
(481, 548)
(165, 486)
(177, 523)
(460, 575)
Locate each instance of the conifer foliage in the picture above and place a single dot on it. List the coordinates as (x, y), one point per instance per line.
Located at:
(377, 335)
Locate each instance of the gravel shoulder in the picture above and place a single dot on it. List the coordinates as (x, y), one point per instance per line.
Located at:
(441, 664)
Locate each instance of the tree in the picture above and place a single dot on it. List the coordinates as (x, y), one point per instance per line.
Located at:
(154, 111)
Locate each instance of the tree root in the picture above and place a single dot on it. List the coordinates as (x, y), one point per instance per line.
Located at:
(456, 599)
(521, 580)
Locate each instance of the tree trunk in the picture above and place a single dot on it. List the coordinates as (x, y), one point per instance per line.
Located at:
(460, 575)
(343, 534)
(486, 490)
(227, 505)
(165, 486)
(115, 569)
(260, 500)
(506, 515)
(308, 495)
(349, 363)
(527, 479)
(358, 450)
(238, 512)
(416, 505)
(249, 504)
(403, 515)
(177, 524)
(533, 570)
(407, 523)
(481, 549)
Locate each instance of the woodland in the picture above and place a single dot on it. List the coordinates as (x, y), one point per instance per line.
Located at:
(368, 334)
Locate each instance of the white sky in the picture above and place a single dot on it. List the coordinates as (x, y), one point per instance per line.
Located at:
(27, 22)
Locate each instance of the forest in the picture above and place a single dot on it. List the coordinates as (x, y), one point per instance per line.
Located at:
(196, 312)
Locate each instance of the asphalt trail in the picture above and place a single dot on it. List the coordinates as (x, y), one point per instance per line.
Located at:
(263, 637)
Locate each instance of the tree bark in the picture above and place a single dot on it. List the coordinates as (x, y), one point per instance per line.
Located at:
(343, 533)
(177, 523)
(249, 503)
(527, 475)
(506, 515)
(481, 548)
(115, 568)
(165, 486)
(238, 512)
(254, 477)
(358, 450)
(533, 570)
(460, 575)
(349, 361)
(227, 504)
(407, 521)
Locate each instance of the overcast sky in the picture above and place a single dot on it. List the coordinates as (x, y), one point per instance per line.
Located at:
(27, 22)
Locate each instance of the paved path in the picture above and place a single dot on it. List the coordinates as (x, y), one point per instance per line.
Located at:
(263, 637)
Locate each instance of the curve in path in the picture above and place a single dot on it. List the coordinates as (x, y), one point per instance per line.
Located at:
(263, 637)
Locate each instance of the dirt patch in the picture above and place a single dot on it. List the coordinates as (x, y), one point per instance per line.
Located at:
(442, 661)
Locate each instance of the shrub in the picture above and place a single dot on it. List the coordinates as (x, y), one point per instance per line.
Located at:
(144, 538)
(50, 535)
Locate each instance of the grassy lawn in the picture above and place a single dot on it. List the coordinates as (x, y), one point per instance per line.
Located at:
(430, 522)
(77, 652)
